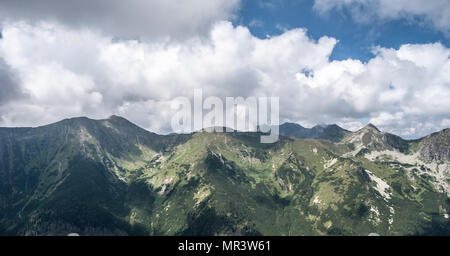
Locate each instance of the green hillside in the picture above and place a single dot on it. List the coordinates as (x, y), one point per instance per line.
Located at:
(110, 177)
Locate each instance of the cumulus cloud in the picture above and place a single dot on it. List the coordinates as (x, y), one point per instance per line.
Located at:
(146, 19)
(434, 12)
(398, 89)
(9, 84)
(98, 75)
(66, 71)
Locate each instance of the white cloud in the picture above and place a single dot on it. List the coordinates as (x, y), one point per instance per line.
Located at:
(398, 89)
(433, 12)
(63, 71)
(71, 72)
(351, 125)
(146, 19)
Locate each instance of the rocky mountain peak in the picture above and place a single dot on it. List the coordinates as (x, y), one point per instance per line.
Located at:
(370, 126)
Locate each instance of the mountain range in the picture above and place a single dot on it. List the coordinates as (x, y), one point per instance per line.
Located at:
(111, 177)
(329, 132)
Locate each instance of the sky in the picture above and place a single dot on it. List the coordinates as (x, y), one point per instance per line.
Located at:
(348, 62)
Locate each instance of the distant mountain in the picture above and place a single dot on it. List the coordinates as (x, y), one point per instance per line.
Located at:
(371, 138)
(111, 177)
(328, 132)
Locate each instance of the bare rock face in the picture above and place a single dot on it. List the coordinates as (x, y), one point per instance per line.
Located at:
(436, 147)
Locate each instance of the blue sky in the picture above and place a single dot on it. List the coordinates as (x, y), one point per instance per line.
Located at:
(356, 39)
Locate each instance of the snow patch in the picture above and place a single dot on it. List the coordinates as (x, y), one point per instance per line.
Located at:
(381, 186)
(316, 200)
(330, 163)
(374, 214)
(391, 216)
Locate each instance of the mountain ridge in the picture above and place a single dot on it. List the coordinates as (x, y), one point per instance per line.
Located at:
(284, 133)
(109, 176)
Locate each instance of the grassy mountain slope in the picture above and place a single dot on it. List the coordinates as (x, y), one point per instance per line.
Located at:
(112, 177)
